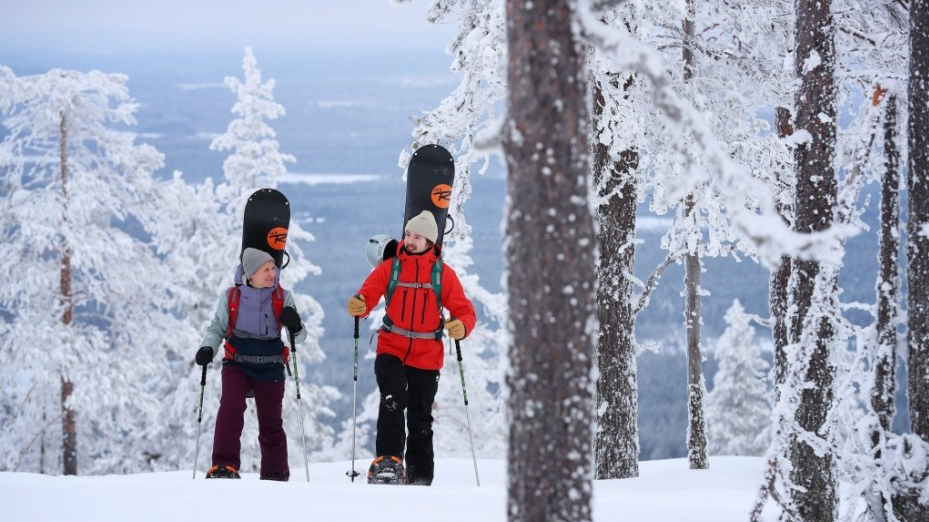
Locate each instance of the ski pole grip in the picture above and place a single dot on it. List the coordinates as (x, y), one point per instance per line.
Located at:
(458, 349)
(203, 377)
(356, 327)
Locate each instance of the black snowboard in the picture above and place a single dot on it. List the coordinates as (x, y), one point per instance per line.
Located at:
(429, 180)
(265, 224)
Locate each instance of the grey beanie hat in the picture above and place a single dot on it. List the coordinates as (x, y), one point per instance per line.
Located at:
(424, 225)
(253, 259)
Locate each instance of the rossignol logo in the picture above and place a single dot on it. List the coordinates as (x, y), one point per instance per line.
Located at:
(277, 238)
(441, 195)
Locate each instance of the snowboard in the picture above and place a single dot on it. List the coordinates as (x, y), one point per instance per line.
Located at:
(265, 224)
(429, 179)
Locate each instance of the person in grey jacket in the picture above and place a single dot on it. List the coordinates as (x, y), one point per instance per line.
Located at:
(248, 321)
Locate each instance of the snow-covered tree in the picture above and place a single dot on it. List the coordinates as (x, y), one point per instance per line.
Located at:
(214, 222)
(550, 251)
(738, 412)
(479, 56)
(87, 320)
(615, 131)
(918, 221)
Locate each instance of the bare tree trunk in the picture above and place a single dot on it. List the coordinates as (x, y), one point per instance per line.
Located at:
(550, 252)
(888, 284)
(815, 208)
(917, 252)
(617, 452)
(778, 294)
(917, 220)
(696, 388)
(68, 415)
(882, 395)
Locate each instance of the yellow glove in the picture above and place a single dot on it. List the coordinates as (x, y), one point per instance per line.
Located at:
(456, 329)
(356, 305)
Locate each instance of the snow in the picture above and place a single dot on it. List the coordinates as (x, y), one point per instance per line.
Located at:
(665, 491)
(325, 178)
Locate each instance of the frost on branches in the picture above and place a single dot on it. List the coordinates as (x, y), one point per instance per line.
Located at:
(208, 264)
(738, 411)
(86, 321)
(479, 56)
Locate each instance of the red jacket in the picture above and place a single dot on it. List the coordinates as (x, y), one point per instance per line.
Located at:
(415, 309)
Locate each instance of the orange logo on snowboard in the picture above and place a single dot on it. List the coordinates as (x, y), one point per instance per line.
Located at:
(277, 238)
(441, 195)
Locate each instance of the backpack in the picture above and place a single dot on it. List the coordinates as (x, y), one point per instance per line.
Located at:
(436, 286)
(232, 300)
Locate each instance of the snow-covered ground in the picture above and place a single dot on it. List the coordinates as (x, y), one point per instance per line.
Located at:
(666, 491)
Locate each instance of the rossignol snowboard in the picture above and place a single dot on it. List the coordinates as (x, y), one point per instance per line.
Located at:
(429, 179)
(265, 224)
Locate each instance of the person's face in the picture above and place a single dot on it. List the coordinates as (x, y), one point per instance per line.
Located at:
(415, 243)
(264, 276)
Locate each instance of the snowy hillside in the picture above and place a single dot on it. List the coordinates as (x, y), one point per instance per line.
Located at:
(666, 491)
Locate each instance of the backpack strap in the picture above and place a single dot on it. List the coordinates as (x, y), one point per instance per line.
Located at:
(436, 285)
(277, 303)
(394, 279)
(232, 302)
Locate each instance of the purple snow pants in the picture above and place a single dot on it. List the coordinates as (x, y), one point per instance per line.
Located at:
(269, 399)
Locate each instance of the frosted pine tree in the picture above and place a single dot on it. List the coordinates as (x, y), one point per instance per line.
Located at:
(479, 50)
(255, 162)
(87, 320)
(738, 411)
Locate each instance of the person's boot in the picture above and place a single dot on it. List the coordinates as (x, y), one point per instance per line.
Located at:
(226, 472)
(387, 469)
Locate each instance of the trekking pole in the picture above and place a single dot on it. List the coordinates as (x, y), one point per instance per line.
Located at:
(293, 354)
(199, 418)
(354, 473)
(464, 392)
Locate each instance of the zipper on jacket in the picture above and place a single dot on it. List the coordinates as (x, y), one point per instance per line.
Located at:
(413, 311)
(267, 328)
(403, 306)
(422, 320)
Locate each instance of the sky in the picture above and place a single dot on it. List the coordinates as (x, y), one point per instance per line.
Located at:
(110, 26)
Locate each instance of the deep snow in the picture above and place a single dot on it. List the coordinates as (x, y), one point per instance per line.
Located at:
(666, 491)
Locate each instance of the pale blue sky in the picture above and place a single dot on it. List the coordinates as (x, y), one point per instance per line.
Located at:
(103, 26)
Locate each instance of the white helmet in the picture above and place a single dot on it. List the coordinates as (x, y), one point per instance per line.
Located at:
(377, 247)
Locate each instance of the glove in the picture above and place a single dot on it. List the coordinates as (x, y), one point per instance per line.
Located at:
(356, 305)
(204, 355)
(456, 329)
(291, 320)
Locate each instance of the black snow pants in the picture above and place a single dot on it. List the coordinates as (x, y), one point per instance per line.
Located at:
(404, 388)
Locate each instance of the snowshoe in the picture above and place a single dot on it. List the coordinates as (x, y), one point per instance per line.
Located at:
(225, 472)
(387, 470)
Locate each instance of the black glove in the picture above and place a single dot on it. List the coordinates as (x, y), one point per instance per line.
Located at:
(291, 320)
(204, 355)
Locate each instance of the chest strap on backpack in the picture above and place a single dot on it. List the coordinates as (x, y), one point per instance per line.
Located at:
(435, 285)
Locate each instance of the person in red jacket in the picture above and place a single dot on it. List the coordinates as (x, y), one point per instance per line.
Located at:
(409, 345)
